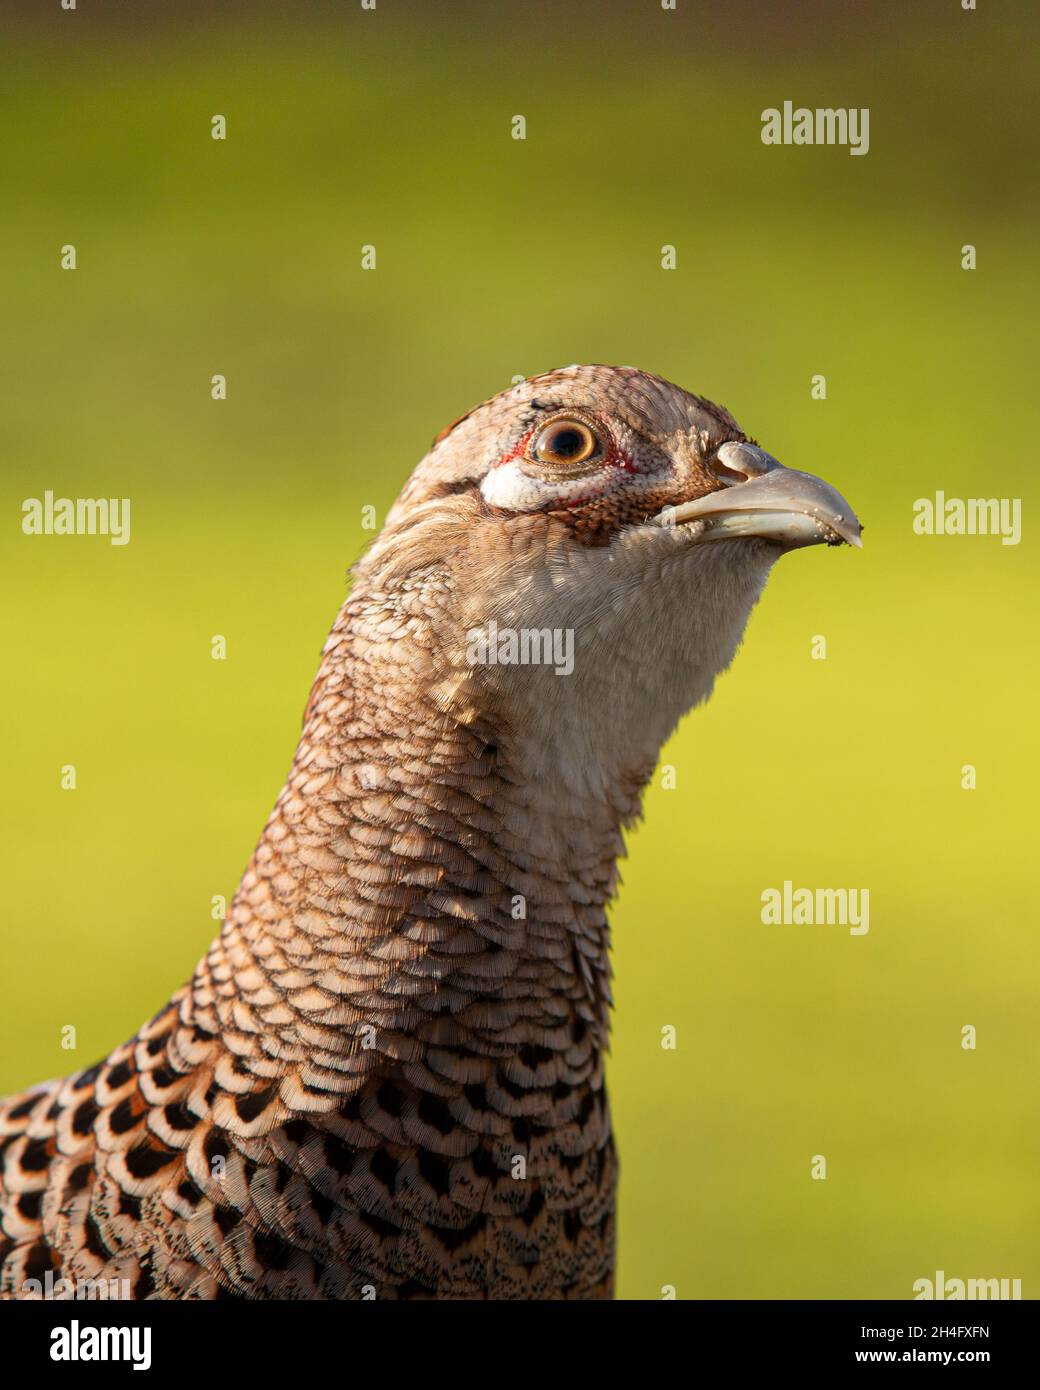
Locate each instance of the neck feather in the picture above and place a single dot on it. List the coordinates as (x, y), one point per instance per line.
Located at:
(412, 890)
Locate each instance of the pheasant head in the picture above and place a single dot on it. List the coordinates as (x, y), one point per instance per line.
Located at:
(582, 553)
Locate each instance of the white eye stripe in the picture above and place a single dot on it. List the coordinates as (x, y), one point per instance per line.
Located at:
(508, 486)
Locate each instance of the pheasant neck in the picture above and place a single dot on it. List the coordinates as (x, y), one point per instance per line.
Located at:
(413, 889)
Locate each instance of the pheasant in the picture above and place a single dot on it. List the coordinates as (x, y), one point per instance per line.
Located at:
(385, 1078)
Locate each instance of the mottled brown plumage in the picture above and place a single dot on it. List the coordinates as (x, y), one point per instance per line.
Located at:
(386, 1077)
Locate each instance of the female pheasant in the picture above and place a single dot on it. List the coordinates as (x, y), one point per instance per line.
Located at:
(385, 1079)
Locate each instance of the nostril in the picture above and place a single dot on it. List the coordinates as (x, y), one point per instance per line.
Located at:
(738, 463)
(726, 475)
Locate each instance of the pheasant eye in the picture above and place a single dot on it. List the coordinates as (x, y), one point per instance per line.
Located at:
(565, 442)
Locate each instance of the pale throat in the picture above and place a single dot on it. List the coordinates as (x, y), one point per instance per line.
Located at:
(644, 640)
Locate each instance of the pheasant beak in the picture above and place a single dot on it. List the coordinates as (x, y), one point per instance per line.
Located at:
(762, 498)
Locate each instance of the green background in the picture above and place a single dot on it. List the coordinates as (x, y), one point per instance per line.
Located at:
(498, 257)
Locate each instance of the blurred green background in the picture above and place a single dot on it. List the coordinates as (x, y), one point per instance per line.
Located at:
(497, 257)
